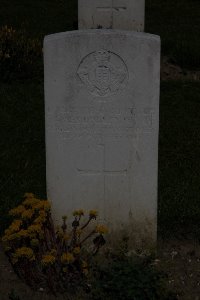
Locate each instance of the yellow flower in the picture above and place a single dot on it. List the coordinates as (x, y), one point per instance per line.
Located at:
(24, 252)
(11, 232)
(64, 270)
(85, 268)
(41, 235)
(66, 237)
(34, 242)
(67, 258)
(23, 233)
(53, 252)
(27, 214)
(4, 238)
(39, 220)
(8, 232)
(42, 213)
(7, 248)
(14, 260)
(34, 228)
(31, 202)
(28, 195)
(10, 237)
(79, 212)
(42, 204)
(85, 271)
(77, 250)
(48, 259)
(84, 264)
(17, 211)
(14, 227)
(93, 213)
(16, 224)
(102, 229)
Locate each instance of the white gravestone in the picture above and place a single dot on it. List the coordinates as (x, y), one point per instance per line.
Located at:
(111, 14)
(102, 110)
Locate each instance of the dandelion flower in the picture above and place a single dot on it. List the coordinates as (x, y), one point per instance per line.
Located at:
(27, 214)
(53, 252)
(28, 195)
(15, 226)
(14, 260)
(66, 237)
(42, 213)
(24, 252)
(67, 258)
(64, 218)
(11, 237)
(17, 211)
(84, 264)
(40, 220)
(48, 259)
(23, 233)
(102, 229)
(7, 248)
(42, 204)
(31, 202)
(8, 232)
(77, 250)
(79, 212)
(85, 271)
(34, 242)
(93, 214)
(85, 268)
(36, 228)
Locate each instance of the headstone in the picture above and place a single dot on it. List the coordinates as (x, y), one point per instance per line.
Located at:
(102, 109)
(111, 14)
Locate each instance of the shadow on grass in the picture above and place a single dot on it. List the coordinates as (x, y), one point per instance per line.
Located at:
(22, 144)
(179, 164)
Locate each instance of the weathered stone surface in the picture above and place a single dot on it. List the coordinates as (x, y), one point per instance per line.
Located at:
(113, 14)
(102, 110)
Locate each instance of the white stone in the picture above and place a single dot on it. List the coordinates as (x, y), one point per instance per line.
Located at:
(113, 14)
(102, 110)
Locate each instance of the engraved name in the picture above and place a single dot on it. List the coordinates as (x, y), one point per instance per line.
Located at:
(92, 122)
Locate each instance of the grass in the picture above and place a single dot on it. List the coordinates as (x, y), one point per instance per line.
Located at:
(22, 145)
(177, 23)
(39, 17)
(179, 164)
(22, 152)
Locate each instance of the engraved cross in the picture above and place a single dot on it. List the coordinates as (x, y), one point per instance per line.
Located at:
(112, 8)
(104, 171)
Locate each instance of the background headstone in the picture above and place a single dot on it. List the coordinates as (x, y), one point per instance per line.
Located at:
(113, 14)
(102, 110)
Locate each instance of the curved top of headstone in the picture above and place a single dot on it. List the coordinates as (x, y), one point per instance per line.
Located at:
(101, 32)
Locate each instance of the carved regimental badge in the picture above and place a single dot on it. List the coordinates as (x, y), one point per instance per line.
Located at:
(104, 73)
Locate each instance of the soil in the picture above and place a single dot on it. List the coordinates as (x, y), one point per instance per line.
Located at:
(180, 260)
